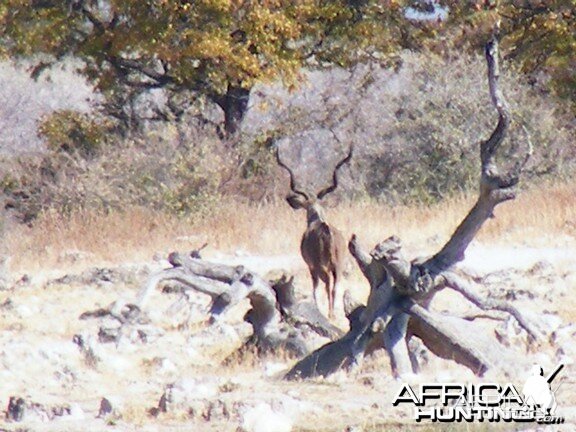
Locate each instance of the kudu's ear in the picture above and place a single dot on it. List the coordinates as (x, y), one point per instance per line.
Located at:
(296, 201)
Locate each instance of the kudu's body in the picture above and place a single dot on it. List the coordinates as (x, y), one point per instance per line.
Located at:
(323, 247)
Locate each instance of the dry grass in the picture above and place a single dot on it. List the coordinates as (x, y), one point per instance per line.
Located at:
(541, 216)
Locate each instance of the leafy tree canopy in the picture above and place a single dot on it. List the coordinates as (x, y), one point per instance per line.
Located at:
(537, 35)
(215, 48)
(218, 49)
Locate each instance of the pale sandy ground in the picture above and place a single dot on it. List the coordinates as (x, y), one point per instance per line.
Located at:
(39, 361)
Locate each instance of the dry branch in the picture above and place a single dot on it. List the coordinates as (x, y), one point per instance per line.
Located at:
(448, 338)
(495, 187)
(464, 287)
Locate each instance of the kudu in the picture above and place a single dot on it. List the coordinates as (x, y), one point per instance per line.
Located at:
(323, 247)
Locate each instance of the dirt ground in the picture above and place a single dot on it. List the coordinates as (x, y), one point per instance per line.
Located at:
(181, 358)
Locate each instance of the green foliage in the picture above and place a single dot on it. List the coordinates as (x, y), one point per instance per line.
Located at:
(8, 183)
(214, 48)
(539, 36)
(72, 132)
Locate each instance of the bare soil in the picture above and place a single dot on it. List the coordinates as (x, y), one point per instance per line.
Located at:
(41, 363)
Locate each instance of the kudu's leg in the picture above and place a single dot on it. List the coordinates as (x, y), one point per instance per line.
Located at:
(328, 285)
(333, 292)
(314, 286)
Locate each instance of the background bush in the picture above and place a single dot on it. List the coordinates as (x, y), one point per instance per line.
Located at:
(416, 127)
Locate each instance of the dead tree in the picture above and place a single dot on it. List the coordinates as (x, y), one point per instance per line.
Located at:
(300, 313)
(278, 320)
(323, 247)
(401, 290)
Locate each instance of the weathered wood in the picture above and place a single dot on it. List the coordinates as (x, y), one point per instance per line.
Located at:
(218, 272)
(396, 345)
(279, 321)
(351, 347)
(495, 187)
(372, 269)
(464, 287)
(382, 294)
(299, 313)
(226, 285)
(331, 357)
(448, 338)
(16, 409)
(389, 255)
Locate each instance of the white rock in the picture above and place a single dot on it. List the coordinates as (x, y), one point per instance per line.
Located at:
(205, 391)
(294, 408)
(262, 418)
(274, 368)
(24, 311)
(76, 413)
(188, 391)
(116, 362)
(167, 367)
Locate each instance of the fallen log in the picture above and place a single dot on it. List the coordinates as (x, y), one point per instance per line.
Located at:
(279, 321)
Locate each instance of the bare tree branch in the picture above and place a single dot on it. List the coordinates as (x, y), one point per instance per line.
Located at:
(363, 259)
(494, 186)
(464, 287)
(161, 78)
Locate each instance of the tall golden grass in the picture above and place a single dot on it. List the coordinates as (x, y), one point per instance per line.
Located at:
(538, 216)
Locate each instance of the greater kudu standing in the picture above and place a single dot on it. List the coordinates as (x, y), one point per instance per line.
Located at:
(323, 247)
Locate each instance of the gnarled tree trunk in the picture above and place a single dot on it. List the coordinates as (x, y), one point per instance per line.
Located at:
(234, 104)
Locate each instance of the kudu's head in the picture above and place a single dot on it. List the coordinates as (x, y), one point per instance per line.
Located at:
(310, 202)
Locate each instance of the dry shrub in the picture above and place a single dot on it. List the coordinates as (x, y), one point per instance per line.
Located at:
(156, 170)
(416, 130)
(74, 133)
(540, 216)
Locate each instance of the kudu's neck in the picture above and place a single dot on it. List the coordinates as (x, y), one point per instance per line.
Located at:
(315, 213)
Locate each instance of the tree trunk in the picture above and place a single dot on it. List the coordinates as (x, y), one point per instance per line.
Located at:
(234, 104)
(278, 320)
